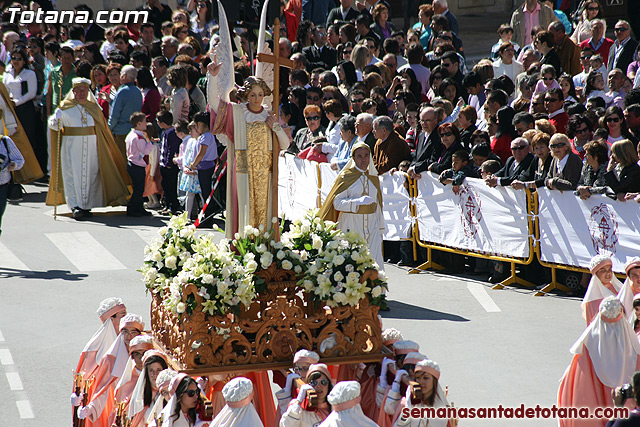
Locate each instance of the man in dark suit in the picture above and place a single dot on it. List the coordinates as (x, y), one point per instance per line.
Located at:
(320, 54)
(364, 128)
(624, 49)
(441, 7)
(428, 142)
(516, 164)
(342, 13)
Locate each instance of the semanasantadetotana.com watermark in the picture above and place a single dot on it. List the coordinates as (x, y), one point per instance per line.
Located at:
(24, 17)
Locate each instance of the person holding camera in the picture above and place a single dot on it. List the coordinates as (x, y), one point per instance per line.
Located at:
(10, 160)
(621, 396)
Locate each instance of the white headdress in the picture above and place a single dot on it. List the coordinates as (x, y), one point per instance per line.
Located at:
(405, 347)
(597, 291)
(239, 410)
(390, 336)
(612, 344)
(306, 356)
(347, 412)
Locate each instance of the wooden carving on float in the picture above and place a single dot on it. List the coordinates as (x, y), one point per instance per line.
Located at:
(267, 334)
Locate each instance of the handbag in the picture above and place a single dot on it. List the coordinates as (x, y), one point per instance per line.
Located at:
(15, 192)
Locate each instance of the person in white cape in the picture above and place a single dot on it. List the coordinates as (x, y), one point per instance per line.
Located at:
(605, 356)
(111, 310)
(603, 284)
(355, 201)
(302, 360)
(239, 411)
(181, 408)
(345, 405)
(427, 374)
(300, 412)
(163, 385)
(631, 286)
(145, 393)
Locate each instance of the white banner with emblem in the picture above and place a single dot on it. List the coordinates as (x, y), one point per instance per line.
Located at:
(573, 230)
(297, 187)
(298, 191)
(478, 218)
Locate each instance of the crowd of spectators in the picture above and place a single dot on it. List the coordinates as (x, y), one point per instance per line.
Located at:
(555, 103)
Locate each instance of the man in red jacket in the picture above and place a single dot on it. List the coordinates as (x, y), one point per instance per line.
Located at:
(554, 103)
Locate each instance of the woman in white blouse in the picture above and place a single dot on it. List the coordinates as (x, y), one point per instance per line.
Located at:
(22, 84)
(506, 64)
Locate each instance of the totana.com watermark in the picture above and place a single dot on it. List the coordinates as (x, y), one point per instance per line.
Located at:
(112, 17)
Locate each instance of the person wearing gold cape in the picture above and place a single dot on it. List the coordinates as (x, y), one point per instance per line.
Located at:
(355, 201)
(91, 170)
(11, 127)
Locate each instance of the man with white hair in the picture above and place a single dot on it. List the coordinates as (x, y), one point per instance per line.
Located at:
(9, 39)
(364, 126)
(128, 100)
(169, 48)
(390, 148)
(598, 42)
(441, 7)
(91, 175)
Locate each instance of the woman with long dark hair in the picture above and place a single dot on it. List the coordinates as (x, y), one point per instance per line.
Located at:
(202, 21)
(614, 123)
(146, 392)
(347, 76)
(181, 409)
(22, 84)
(501, 141)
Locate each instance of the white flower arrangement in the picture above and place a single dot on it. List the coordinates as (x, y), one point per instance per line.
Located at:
(165, 256)
(334, 263)
(329, 263)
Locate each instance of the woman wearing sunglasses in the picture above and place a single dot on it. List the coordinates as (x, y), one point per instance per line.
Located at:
(181, 409)
(614, 123)
(300, 413)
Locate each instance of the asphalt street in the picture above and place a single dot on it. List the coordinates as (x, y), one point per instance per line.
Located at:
(494, 347)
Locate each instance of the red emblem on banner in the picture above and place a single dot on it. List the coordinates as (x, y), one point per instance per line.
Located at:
(603, 227)
(470, 213)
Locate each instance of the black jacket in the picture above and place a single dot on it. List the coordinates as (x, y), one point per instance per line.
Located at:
(532, 173)
(425, 147)
(441, 159)
(552, 58)
(629, 181)
(320, 57)
(511, 172)
(624, 59)
(336, 15)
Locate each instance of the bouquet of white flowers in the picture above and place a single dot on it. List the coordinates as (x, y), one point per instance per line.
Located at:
(336, 263)
(165, 256)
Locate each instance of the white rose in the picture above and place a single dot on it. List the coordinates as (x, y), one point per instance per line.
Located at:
(338, 276)
(338, 260)
(261, 248)
(375, 292)
(287, 265)
(181, 307)
(157, 256)
(266, 259)
(252, 266)
(297, 269)
(340, 298)
(207, 278)
(280, 255)
(316, 242)
(305, 228)
(171, 262)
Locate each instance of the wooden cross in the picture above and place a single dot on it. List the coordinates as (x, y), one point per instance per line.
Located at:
(277, 63)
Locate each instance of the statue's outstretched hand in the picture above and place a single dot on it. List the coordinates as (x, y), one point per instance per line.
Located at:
(214, 68)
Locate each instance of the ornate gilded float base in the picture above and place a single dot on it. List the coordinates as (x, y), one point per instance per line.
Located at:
(267, 334)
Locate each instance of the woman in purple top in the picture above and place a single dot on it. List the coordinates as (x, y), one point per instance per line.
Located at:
(381, 25)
